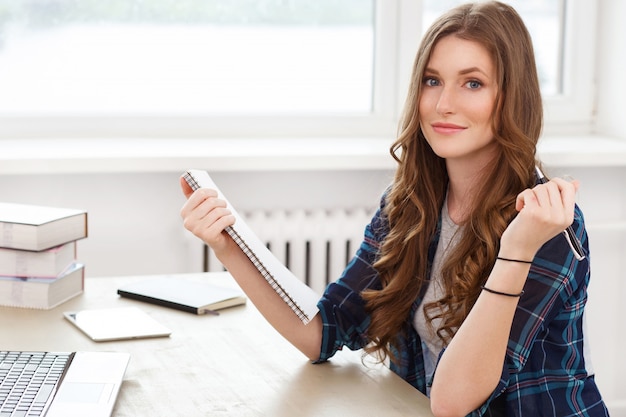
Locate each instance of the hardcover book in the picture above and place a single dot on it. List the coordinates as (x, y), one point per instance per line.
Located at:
(47, 263)
(36, 228)
(42, 293)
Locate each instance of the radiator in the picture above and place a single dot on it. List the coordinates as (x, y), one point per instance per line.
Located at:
(315, 245)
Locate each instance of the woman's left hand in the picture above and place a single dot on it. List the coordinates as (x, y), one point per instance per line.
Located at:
(543, 212)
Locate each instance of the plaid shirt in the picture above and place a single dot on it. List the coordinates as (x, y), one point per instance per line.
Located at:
(544, 373)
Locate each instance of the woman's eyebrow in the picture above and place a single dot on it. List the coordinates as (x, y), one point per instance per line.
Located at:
(465, 71)
(471, 70)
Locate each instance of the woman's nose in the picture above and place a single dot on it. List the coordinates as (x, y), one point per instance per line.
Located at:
(445, 103)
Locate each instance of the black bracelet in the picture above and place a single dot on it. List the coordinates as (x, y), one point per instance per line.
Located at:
(514, 260)
(482, 287)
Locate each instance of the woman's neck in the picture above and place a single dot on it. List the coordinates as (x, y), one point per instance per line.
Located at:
(462, 187)
(458, 206)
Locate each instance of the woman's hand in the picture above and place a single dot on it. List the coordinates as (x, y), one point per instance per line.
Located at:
(544, 211)
(206, 216)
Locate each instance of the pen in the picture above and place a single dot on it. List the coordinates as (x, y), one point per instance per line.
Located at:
(571, 238)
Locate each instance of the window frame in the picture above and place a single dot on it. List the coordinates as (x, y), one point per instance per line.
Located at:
(573, 110)
(397, 35)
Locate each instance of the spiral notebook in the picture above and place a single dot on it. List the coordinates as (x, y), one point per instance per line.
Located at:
(300, 297)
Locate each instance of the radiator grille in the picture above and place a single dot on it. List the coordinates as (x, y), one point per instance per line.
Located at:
(316, 245)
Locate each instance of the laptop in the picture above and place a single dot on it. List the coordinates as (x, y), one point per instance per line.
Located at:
(60, 384)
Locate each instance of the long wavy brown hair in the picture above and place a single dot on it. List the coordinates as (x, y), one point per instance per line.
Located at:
(414, 201)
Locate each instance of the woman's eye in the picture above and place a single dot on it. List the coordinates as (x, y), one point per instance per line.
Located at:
(430, 82)
(474, 84)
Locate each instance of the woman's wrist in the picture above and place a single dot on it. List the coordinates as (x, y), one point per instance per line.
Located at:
(519, 261)
(509, 272)
(515, 253)
(513, 247)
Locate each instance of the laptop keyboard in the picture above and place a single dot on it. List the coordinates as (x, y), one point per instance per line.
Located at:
(27, 380)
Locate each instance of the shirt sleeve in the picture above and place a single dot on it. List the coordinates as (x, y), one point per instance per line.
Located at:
(342, 309)
(549, 315)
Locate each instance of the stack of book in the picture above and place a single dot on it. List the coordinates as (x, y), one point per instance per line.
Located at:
(38, 265)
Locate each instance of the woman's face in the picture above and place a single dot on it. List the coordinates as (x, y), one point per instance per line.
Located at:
(458, 96)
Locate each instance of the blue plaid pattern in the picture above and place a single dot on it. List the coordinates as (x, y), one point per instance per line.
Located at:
(544, 373)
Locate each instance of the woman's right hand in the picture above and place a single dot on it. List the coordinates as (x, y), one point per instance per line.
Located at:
(206, 216)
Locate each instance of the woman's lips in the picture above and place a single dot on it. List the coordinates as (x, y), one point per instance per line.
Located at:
(447, 128)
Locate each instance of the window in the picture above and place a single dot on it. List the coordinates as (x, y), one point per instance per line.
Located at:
(177, 68)
(186, 57)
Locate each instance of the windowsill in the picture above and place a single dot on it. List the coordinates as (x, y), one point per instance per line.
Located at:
(55, 156)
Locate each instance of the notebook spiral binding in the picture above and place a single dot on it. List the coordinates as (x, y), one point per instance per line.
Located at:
(191, 181)
(267, 275)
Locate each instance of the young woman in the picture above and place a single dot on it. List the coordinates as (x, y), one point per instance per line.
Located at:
(464, 280)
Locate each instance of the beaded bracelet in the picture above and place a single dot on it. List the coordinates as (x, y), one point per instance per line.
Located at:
(514, 260)
(482, 287)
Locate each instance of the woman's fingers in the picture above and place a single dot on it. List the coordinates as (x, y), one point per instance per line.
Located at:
(555, 196)
(544, 211)
(206, 216)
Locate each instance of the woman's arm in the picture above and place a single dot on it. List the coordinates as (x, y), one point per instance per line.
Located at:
(206, 216)
(470, 368)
